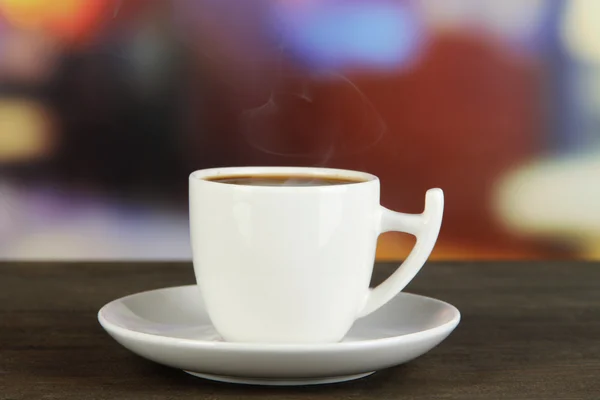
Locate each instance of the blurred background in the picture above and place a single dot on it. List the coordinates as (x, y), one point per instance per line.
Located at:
(106, 106)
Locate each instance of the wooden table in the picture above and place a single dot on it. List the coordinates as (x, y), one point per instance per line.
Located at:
(529, 331)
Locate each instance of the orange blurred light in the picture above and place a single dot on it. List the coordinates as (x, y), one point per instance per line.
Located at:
(71, 20)
(26, 131)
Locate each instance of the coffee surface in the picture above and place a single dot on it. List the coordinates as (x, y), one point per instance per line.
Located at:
(283, 180)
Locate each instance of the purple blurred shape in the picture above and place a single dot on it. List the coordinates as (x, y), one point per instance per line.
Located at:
(332, 34)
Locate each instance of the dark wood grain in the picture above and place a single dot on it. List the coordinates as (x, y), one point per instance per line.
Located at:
(529, 331)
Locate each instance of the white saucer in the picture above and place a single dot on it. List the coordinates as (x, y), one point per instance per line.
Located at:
(171, 327)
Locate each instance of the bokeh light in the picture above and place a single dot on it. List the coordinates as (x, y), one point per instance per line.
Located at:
(25, 131)
(332, 34)
(580, 30)
(71, 20)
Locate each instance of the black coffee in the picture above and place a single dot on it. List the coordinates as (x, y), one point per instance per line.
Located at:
(283, 180)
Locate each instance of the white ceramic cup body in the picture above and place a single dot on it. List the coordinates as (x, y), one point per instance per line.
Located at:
(288, 264)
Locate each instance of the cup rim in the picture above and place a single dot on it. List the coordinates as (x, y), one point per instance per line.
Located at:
(202, 175)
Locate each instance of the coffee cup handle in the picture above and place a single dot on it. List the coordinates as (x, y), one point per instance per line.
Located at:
(425, 227)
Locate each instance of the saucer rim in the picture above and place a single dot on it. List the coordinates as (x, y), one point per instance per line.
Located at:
(252, 347)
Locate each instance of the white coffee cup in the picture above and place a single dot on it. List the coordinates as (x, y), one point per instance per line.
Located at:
(292, 264)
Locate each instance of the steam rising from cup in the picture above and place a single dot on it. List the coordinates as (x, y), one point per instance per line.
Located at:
(316, 136)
